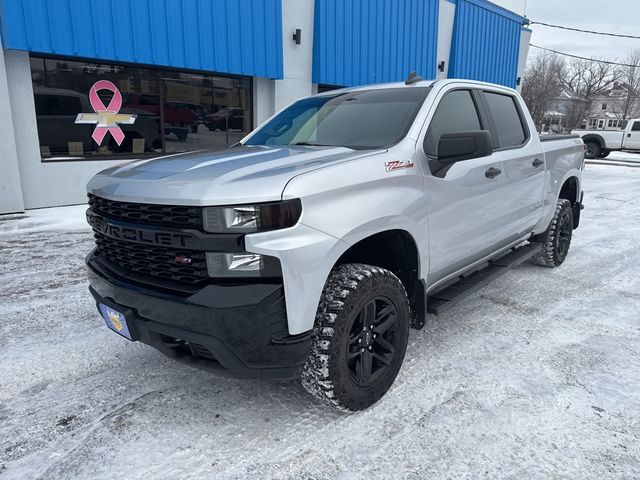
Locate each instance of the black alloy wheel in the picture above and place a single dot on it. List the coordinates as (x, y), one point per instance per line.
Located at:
(372, 341)
(360, 337)
(556, 241)
(565, 231)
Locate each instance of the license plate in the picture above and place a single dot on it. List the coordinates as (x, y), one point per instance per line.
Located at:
(115, 320)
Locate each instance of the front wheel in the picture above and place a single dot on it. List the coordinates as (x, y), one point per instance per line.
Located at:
(557, 239)
(359, 339)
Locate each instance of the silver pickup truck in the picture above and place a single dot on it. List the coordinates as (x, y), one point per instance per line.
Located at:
(313, 246)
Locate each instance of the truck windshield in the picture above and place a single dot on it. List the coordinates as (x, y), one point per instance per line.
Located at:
(363, 119)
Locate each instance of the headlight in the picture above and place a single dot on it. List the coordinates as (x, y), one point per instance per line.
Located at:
(234, 265)
(252, 218)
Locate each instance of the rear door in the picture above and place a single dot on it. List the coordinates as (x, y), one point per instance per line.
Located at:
(522, 157)
(466, 199)
(632, 140)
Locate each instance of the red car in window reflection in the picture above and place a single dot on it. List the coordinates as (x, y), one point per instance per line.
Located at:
(179, 118)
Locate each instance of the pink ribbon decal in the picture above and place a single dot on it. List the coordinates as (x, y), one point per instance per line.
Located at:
(114, 107)
(107, 117)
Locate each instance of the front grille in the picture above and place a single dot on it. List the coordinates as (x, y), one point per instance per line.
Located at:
(166, 215)
(154, 261)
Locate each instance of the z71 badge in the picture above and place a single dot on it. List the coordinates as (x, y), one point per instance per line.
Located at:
(397, 165)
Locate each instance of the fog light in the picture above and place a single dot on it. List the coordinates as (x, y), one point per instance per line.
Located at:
(234, 265)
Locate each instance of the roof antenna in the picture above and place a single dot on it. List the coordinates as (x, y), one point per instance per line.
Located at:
(413, 78)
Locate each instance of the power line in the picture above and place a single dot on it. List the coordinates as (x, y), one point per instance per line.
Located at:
(585, 31)
(585, 58)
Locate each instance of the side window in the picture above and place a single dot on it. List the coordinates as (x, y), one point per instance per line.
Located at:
(456, 112)
(636, 127)
(510, 130)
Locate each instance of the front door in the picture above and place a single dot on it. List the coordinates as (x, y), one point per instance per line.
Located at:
(465, 200)
(632, 141)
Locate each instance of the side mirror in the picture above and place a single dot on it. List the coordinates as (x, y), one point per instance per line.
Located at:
(455, 147)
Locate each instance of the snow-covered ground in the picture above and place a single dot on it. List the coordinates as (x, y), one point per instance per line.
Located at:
(624, 159)
(536, 376)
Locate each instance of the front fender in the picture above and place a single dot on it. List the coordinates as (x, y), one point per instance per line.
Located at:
(307, 256)
(341, 205)
(355, 200)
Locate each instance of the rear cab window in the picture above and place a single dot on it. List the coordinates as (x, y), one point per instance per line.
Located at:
(510, 130)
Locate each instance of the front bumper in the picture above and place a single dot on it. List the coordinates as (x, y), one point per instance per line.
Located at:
(234, 330)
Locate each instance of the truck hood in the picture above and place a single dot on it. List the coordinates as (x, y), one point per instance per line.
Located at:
(233, 176)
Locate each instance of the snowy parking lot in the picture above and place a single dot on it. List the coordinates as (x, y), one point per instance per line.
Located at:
(536, 376)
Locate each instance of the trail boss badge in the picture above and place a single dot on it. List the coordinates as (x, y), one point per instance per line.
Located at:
(398, 165)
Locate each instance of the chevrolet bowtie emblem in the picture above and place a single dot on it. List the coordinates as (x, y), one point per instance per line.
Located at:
(115, 321)
(106, 118)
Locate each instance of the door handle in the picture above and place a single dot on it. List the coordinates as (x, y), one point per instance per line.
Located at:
(492, 172)
(537, 163)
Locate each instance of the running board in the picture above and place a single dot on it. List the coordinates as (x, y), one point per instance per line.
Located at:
(445, 299)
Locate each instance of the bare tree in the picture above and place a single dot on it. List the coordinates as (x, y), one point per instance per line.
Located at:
(576, 110)
(628, 105)
(586, 79)
(542, 84)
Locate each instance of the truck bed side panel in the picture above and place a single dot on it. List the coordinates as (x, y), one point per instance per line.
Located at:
(564, 158)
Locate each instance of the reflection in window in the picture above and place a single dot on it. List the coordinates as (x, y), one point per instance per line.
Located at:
(175, 111)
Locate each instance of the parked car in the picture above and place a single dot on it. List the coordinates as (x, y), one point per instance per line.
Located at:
(56, 112)
(178, 117)
(311, 247)
(231, 118)
(600, 143)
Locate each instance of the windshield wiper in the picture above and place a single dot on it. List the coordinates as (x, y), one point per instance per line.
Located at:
(308, 144)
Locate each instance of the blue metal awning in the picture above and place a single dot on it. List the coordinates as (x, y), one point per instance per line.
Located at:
(486, 43)
(242, 37)
(359, 42)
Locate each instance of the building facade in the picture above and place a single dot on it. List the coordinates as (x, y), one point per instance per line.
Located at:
(609, 110)
(88, 84)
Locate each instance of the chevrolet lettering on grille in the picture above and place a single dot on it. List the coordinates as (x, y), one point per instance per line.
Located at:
(139, 235)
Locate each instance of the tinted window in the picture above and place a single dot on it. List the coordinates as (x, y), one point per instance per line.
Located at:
(636, 127)
(174, 111)
(456, 113)
(360, 119)
(506, 118)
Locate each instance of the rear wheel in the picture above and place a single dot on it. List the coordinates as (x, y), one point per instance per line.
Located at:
(605, 153)
(557, 239)
(182, 135)
(360, 337)
(592, 150)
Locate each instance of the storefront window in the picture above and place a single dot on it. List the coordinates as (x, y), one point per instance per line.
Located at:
(155, 110)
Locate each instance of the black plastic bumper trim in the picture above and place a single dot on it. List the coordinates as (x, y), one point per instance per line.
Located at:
(241, 326)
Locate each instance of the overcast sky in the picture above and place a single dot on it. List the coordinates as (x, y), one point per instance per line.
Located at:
(615, 16)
